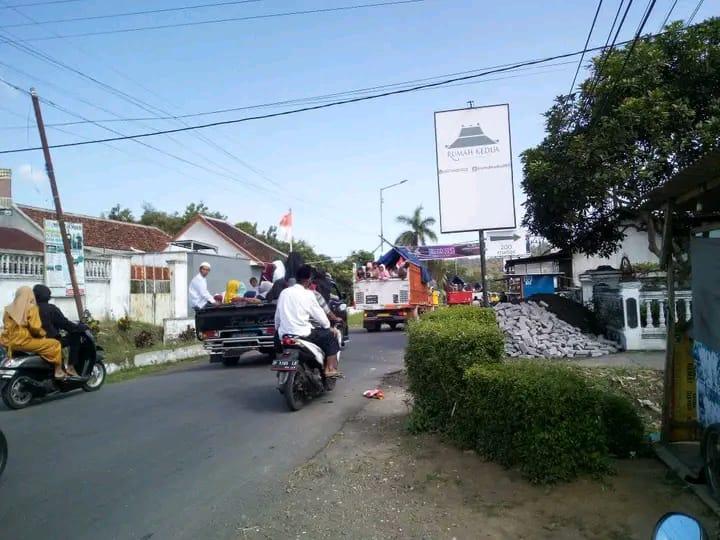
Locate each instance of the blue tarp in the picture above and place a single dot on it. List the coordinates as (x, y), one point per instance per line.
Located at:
(392, 256)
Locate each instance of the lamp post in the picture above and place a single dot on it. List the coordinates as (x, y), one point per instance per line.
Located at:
(382, 238)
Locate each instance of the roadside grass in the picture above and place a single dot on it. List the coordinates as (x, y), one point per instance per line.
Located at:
(355, 320)
(119, 345)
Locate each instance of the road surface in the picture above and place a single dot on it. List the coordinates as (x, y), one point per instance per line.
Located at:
(190, 453)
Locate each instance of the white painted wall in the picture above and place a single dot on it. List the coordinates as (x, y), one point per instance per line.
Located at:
(202, 233)
(634, 246)
(104, 299)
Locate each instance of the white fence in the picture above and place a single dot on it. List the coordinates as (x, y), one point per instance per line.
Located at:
(638, 318)
(18, 266)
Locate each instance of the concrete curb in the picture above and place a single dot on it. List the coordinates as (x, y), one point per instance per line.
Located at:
(154, 358)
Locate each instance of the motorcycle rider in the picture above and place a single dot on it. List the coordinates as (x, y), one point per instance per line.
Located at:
(53, 321)
(296, 307)
(23, 331)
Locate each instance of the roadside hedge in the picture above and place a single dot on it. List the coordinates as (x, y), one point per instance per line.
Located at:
(544, 418)
(467, 313)
(438, 353)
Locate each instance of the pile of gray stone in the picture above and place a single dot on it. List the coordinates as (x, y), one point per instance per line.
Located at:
(533, 331)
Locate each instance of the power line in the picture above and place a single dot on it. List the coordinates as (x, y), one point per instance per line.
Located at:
(628, 54)
(225, 20)
(321, 106)
(123, 95)
(587, 41)
(40, 3)
(667, 17)
(130, 13)
(695, 12)
(311, 99)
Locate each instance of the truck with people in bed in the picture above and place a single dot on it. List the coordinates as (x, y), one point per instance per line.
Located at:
(248, 324)
(392, 290)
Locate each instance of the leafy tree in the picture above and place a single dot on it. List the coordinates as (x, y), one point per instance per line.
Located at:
(250, 228)
(419, 229)
(636, 121)
(171, 223)
(120, 214)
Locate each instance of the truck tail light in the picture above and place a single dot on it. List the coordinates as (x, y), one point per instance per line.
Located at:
(288, 341)
(209, 334)
(270, 331)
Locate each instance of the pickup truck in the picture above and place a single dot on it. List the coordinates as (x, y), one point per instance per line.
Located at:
(230, 330)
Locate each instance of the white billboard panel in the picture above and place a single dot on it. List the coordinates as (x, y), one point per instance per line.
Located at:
(474, 161)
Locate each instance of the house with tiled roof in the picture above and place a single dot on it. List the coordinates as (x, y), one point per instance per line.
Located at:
(227, 240)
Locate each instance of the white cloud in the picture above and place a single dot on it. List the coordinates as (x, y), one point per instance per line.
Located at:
(32, 175)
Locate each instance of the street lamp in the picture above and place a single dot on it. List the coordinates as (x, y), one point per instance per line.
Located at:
(382, 238)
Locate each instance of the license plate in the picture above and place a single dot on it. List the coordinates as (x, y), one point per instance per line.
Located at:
(384, 315)
(284, 364)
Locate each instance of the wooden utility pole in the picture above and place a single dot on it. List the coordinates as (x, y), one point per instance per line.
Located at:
(58, 206)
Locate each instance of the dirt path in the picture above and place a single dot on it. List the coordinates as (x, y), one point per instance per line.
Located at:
(374, 480)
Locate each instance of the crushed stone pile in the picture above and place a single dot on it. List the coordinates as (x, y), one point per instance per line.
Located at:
(532, 331)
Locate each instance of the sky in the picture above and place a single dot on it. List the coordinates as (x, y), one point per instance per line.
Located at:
(327, 165)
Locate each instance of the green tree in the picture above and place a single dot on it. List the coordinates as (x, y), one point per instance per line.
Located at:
(419, 229)
(171, 223)
(635, 122)
(120, 214)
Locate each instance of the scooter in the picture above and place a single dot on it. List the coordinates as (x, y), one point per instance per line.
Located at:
(3, 452)
(301, 371)
(29, 376)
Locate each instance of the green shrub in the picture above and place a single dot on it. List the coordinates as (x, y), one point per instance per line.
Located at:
(623, 425)
(437, 355)
(545, 419)
(469, 313)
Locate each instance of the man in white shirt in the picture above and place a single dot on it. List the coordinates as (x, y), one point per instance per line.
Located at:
(296, 307)
(198, 292)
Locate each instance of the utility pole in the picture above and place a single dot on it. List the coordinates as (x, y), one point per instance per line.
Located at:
(483, 269)
(58, 206)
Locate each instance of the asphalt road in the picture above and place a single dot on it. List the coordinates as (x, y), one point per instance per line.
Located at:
(187, 454)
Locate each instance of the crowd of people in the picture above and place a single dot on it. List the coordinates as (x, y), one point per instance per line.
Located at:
(373, 270)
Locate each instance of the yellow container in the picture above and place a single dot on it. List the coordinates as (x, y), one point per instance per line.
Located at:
(684, 424)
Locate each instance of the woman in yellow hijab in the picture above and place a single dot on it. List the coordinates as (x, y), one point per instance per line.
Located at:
(23, 331)
(233, 289)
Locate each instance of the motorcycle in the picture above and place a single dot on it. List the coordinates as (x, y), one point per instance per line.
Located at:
(28, 376)
(677, 526)
(301, 372)
(3, 452)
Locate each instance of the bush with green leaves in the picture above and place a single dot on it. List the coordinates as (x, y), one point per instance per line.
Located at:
(468, 313)
(624, 427)
(544, 419)
(437, 355)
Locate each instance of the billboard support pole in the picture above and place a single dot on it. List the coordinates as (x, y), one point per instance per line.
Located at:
(56, 200)
(483, 268)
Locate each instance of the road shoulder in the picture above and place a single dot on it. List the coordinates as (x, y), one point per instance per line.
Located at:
(375, 480)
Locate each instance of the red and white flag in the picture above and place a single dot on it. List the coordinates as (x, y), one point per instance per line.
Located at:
(285, 227)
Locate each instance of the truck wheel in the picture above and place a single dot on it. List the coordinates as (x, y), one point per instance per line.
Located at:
(294, 392)
(393, 327)
(375, 328)
(230, 362)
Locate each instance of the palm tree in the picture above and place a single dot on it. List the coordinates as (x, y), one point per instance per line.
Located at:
(419, 231)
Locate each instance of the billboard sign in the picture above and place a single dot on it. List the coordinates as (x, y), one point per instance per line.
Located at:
(57, 275)
(474, 166)
(450, 251)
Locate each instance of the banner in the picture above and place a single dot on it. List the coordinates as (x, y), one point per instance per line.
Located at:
(450, 251)
(474, 167)
(57, 275)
